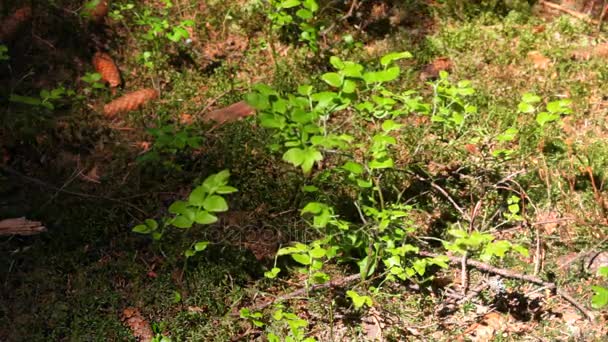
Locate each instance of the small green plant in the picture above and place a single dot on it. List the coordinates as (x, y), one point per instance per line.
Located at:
(600, 296)
(158, 31)
(48, 98)
(481, 245)
(299, 13)
(169, 140)
(358, 300)
(554, 109)
(295, 326)
(93, 81)
(200, 208)
(4, 53)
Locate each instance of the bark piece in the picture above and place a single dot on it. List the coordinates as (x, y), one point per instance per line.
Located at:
(106, 67)
(129, 102)
(20, 226)
(11, 25)
(231, 113)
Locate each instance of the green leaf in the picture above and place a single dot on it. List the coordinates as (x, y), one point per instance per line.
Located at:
(351, 69)
(294, 155)
(204, 217)
(543, 118)
(305, 90)
(349, 86)
(272, 273)
(385, 164)
(508, 135)
(498, 249)
(359, 301)
(521, 250)
(182, 221)
(530, 98)
(600, 298)
(320, 278)
(317, 252)
(225, 189)
(381, 76)
(201, 246)
(33, 101)
(603, 271)
(525, 107)
(141, 229)
(390, 125)
(257, 101)
(309, 188)
(215, 203)
(336, 62)
(304, 14)
(389, 58)
(289, 3)
(271, 121)
(352, 167)
(559, 107)
(333, 79)
(152, 224)
(303, 259)
(313, 208)
(197, 196)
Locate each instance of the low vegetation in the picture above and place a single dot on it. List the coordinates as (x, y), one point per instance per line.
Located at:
(294, 170)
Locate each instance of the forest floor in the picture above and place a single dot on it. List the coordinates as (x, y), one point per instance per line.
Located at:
(90, 176)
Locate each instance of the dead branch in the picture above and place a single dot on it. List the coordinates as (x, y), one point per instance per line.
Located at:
(73, 193)
(297, 293)
(20, 226)
(519, 276)
(577, 15)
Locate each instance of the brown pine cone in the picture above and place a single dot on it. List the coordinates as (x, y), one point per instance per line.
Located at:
(140, 328)
(99, 11)
(105, 66)
(11, 25)
(129, 102)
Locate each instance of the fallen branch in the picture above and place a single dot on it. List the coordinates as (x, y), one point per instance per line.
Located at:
(515, 275)
(73, 193)
(454, 260)
(304, 290)
(20, 226)
(577, 15)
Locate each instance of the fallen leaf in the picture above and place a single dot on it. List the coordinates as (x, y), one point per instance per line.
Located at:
(91, 176)
(539, 60)
(431, 71)
(185, 119)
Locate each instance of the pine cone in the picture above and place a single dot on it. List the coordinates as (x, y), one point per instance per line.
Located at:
(99, 11)
(129, 102)
(11, 25)
(106, 68)
(140, 328)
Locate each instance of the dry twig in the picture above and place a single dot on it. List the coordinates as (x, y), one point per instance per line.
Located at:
(515, 275)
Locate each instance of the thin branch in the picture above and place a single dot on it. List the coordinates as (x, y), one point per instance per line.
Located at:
(573, 13)
(297, 293)
(67, 192)
(515, 275)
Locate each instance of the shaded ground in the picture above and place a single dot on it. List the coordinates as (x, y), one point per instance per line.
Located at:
(86, 176)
